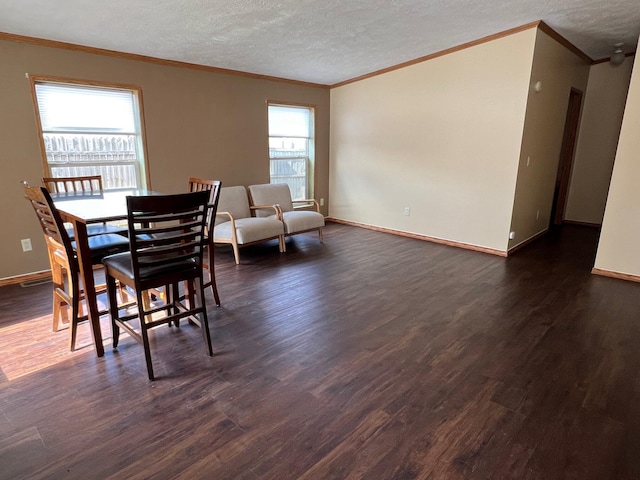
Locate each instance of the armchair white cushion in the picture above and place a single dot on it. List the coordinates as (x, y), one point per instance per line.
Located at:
(235, 225)
(296, 219)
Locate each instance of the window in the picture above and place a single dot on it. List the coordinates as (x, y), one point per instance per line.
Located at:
(91, 130)
(291, 148)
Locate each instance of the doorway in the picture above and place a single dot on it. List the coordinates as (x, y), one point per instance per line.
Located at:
(566, 157)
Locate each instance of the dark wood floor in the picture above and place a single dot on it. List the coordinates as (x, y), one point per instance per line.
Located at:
(371, 356)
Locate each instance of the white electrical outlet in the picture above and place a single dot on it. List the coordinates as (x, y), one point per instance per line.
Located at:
(537, 214)
(26, 245)
(322, 202)
(528, 161)
(407, 211)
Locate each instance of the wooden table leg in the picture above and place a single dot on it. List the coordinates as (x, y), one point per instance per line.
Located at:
(86, 274)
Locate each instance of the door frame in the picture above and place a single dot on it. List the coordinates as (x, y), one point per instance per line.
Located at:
(567, 153)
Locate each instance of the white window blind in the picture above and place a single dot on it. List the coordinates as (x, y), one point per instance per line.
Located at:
(65, 108)
(287, 121)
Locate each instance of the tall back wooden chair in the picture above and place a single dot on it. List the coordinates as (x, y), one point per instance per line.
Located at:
(67, 292)
(82, 185)
(213, 187)
(167, 239)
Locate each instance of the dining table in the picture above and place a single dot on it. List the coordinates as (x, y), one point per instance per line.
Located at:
(80, 210)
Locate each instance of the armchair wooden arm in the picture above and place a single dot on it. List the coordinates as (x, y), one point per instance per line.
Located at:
(234, 239)
(306, 204)
(225, 214)
(276, 208)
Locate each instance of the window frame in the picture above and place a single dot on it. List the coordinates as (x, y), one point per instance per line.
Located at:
(143, 169)
(311, 154)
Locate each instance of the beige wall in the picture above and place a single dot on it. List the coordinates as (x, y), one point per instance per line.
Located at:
(558, 70)
(619, 247)
(441, 137)
(198, 123)
(602, 112)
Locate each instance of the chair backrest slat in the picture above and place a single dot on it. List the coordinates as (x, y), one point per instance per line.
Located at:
(88, 184)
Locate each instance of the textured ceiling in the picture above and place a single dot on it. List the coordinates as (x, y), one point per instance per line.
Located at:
(319, 41)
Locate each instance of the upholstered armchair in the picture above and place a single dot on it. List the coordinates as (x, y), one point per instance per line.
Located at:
(235, 225)
(298, 215)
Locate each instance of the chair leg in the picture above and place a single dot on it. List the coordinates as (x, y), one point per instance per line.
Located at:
(75, 309)
(236, 253)
(169, 294)
(113, 310)
(147, 351)
(174, 297)
(144, 334)
(212, 275)
(124, 295)
(146, 303)
(58, 282)
(190, 293)
(204, 321)
(282, 244)
(59, 311)
(320, 235)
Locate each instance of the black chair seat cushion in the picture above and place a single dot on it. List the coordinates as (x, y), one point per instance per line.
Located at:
(99, 229)
(103, 245)
(122, 263)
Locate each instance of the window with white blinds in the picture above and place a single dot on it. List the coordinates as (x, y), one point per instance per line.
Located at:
(91, 130)
(291, 147)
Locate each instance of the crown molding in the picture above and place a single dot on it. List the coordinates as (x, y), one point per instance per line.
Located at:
(537, 24)
(144, 58)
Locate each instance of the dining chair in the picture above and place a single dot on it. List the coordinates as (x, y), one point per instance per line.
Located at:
(81, 185)
(213, 187)
(167, 240)
(67, 292)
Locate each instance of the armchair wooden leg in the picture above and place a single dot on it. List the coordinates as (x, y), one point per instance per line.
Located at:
(320, 235)
(236, 253)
